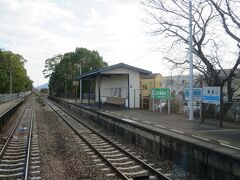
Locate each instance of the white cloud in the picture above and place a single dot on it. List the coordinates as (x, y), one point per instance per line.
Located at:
(39, 29)
(28, 27)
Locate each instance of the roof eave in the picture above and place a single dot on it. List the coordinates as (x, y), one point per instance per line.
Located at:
(94, 73)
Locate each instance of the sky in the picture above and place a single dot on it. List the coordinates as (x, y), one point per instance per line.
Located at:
(40, 29)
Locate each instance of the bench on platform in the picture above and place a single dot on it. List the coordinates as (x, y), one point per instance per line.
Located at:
(115, 100)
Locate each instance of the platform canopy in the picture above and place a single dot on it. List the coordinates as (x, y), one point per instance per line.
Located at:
(115, 66)
(117, 84)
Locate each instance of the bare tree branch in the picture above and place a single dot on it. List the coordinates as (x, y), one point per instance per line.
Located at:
(170, 19)
(223, 14)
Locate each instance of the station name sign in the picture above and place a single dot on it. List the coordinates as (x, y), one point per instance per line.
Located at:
(197, 94)
(209, 95)
(160, 93)
(75, 83)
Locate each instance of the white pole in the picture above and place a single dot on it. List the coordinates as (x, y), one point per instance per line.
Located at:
(10, 92)
(160, 106)
(80, 84)
(190, 64)
(153, 105)
(169, 104)
(200, 110)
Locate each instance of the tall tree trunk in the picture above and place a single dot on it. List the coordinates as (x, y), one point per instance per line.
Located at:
(229, 90)
(221, 106)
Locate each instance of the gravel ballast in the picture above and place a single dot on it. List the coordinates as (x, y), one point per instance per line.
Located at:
(61, 157)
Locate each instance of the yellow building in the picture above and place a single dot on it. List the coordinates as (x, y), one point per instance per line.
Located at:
(147, 82)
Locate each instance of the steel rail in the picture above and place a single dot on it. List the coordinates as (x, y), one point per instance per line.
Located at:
(151, 169)
(93, 148)
(13, 130)
(29, 142)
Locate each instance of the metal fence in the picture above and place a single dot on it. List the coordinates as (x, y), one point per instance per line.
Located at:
(178, 105)
(10, 97)
(231, 110)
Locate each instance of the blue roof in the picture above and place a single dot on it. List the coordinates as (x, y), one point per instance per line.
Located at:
(104, 69)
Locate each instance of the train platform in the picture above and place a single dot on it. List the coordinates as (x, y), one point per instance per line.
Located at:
(227, 137)
(209, 131)
(4, 107)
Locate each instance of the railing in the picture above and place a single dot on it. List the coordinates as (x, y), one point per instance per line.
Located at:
(10, 97)
(231, 110)
(5, 116)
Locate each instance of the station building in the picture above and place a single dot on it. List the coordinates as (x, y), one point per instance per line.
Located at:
(117, 84)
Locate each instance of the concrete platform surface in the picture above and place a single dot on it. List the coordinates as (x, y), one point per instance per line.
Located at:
(227, 137)
(8, 105)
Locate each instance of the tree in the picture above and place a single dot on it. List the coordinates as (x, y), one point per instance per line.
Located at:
(230, 17)
(62, 69)
(170, 18)
(50, 64)
(12, 68)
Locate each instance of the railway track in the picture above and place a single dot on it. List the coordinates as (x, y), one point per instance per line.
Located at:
(19, 155)
(111, 157)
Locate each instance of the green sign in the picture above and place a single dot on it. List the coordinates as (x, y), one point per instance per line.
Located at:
(160, 93)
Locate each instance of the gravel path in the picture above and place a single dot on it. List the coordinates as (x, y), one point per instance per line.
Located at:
(60, 155)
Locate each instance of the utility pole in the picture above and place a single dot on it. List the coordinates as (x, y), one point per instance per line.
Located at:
(190, 63)
(80, 83)
(10, 79)
(65, 85)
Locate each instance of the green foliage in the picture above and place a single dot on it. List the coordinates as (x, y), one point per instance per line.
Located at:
(175, 106)
(50, 65)
(62, 69)
(44, 90)
(13, 64)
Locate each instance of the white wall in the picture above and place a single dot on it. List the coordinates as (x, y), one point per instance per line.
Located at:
(121, 81)
(113, 81)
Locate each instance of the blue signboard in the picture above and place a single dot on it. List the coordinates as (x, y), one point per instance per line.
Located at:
(197, 94)
(211, 95)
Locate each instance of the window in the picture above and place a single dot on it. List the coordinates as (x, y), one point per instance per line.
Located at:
(119, 92)
(144, 87)
(114, 92)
